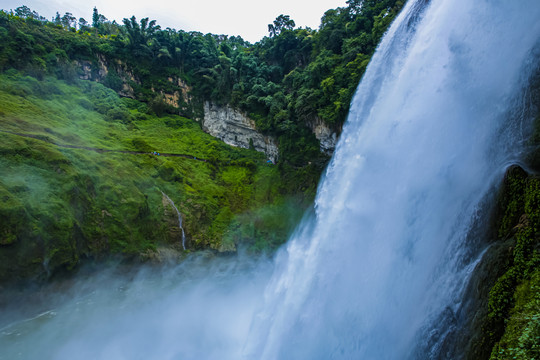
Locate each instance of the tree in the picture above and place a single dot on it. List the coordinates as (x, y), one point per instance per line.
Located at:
(56, 19)
(355, 6)
(140, 34)
(83, 25)
(26, 13)
(68, 19)
(23, 11)
(282, 22)
(140, 37)
(97, 19)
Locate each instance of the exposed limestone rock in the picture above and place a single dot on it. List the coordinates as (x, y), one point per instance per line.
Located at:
(185, 90)
(98, 71)
(90, 72)
(236, 129)
(86, 70)
(172, 99)
(326, 136)
(178, 97)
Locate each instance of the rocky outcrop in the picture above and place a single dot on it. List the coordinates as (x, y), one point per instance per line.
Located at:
(179, 97)
(326, 136)
(236, 129)
(100, 70)
(183, 92)
(89, 72)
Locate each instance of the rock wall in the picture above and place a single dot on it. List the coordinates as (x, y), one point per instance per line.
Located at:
(223, 122)
(98, 71)
(326, 136)
(236, 129)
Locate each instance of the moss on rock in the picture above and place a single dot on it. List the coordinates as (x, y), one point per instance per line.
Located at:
(506, 284)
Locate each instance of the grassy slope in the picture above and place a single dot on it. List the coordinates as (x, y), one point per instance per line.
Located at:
(58, 204)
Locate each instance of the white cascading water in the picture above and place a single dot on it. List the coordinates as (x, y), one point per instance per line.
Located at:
(385, 253)
(426, 138)
(179, 215)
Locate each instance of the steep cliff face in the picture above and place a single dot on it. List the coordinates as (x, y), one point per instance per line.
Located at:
(224, 122)
(500, 310)
(236, 129)
(118, 76)
(326, 136)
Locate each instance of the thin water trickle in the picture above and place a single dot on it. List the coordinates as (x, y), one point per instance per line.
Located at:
(179, 214)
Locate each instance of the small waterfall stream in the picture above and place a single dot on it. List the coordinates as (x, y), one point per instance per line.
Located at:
(179, 214)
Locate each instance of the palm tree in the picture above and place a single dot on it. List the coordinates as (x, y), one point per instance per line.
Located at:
(140, 37)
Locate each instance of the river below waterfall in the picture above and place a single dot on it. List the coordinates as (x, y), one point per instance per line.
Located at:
(378, 271)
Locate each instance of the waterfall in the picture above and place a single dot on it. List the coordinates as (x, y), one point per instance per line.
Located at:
(179, 220)
(378, 272)
(432, 126)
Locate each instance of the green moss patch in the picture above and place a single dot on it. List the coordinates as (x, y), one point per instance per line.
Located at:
(511, 328)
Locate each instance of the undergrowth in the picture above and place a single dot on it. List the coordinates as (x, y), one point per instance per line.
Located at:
(512, 327)
(62, 203)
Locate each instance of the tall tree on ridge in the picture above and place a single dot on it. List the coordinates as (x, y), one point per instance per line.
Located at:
(282, 22)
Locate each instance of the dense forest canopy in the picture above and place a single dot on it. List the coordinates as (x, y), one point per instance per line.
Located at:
(291, 78)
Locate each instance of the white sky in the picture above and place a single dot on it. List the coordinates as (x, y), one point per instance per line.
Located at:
(247, 18)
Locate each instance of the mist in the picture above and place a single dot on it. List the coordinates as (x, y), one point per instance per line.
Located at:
(202, 306)
(378, 271)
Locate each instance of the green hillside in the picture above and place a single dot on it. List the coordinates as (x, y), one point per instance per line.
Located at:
(78, 178)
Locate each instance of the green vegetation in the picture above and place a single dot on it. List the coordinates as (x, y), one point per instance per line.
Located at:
(285, 82)
(62, 203)
(512, 327)
(76, 176)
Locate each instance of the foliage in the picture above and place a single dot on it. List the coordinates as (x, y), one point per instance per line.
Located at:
(82, 201)
(285, 81)
(511, 328)
(64, 198)
(282, 22)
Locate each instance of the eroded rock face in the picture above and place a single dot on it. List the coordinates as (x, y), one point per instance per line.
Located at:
(99, 70)
(236, 129)
(326, 136)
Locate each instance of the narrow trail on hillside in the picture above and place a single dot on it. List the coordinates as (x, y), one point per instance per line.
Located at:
(100, 150)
